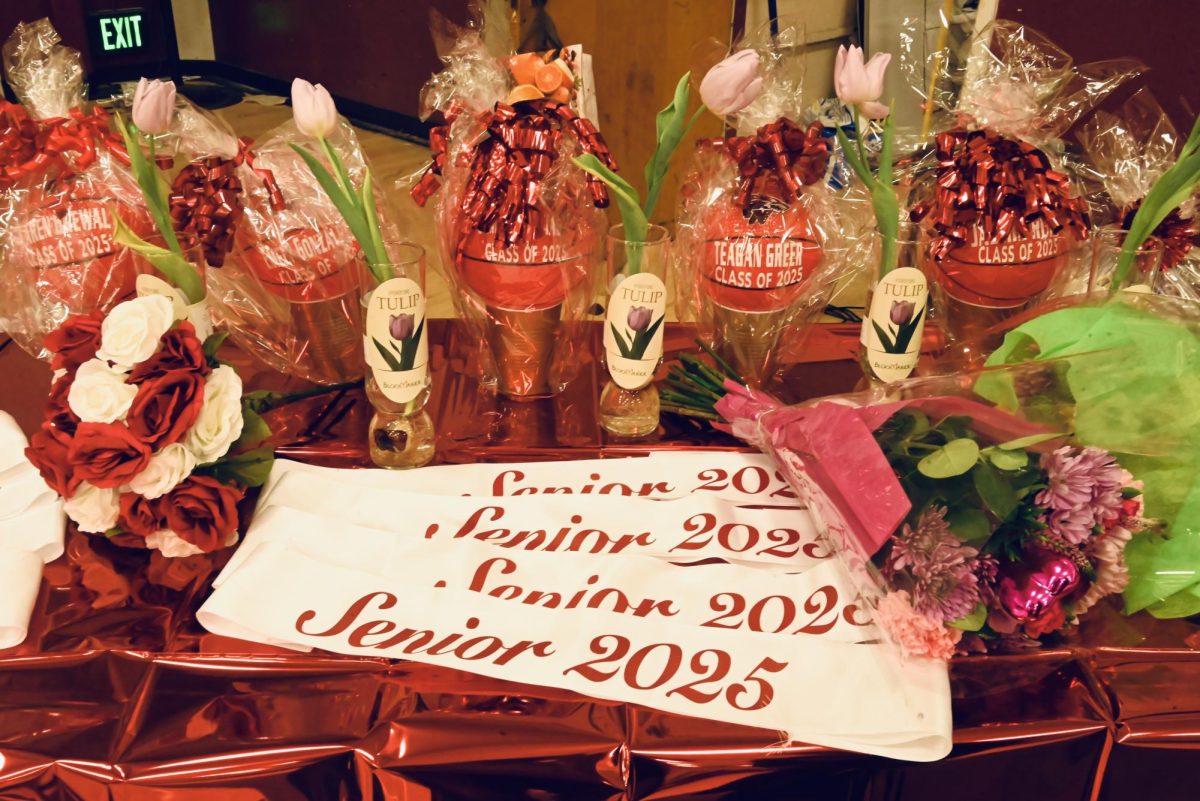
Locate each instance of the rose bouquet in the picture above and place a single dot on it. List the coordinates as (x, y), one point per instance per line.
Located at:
(147, 435)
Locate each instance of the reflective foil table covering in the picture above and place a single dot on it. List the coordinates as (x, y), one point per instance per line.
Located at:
(117, 693)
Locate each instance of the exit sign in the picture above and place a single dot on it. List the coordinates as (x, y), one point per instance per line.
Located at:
(118, 32)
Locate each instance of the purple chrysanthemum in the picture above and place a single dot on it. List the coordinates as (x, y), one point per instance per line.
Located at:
(1083, 492)
(944, 574)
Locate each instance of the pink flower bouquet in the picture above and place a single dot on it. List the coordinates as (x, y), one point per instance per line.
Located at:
(971, 524)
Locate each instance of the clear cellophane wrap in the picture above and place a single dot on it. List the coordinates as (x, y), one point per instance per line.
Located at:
(63, 173)
(962, 563)
(1129, 150)
(999, 213)
(760, 240)
(290, 292)
(520, 227)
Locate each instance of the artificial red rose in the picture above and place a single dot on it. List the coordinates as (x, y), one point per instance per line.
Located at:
(58, 411)
(178, 349)
(202, 511)
(140, 515)
(1052, 619)
(165, 407)
(49, 454)
(107, 454)
(75, 341)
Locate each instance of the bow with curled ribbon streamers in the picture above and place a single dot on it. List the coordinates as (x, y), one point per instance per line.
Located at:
(509, 164)
(999, 184)
(778, 161)
(28, 146)
(206, 201)
(1179, 234)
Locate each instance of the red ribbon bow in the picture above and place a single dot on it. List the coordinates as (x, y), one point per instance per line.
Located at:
(998, 184)
(206, 201)
(507, 168)
(28, 146)
(1178, 234)
(778, 161)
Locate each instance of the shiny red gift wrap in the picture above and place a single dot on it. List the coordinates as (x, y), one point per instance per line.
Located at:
(118, 694)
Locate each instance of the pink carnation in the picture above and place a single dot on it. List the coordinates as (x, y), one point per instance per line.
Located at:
(917, 634)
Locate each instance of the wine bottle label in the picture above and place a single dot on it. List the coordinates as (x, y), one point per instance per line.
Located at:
(895, 324)
(395, 344)
(633, 329)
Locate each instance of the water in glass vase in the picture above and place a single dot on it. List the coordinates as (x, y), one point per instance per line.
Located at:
(396, 350)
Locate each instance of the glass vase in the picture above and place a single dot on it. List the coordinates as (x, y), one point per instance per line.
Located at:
(633, 330)
(1143, 273)
(395, 346)
(897, 308)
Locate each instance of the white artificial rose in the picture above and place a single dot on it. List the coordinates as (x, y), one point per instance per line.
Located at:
(99, 393)
(171, 544)
(220, 421)
(93, 509)
(163, 473)
(129, 334)
(201, 319)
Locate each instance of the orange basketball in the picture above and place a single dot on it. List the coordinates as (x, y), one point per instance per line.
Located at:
(758, 262)
(1005, 275)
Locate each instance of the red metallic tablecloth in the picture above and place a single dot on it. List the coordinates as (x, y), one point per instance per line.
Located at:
(118, 694)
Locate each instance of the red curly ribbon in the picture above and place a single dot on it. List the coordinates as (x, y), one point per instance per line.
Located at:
(68, 143)
(1178, 234)
(778, 161)
(999, 185)
(206, 201)
(508, 166)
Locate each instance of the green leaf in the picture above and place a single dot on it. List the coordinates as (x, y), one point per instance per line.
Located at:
(347, 205)
(380, 256)
(1007, 459)
(952, 459)
(889, 346)
(254, 429)
(626, 196)
(174, 267)
(996, 492)
(1026, 442)
(250, 469)
(973, 621)
(388, 357)
(907, 330)
(409, 356)
(148, 179)
(213, 344)
(852, 157)
(969, 525)
(642, 341)
(621, 344)
(669, 129)
(885, 150)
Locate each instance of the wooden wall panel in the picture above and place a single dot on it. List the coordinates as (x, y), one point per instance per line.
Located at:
(641, 47)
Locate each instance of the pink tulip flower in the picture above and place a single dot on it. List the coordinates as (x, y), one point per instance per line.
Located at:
(733, 84)
(153, 105)
(313, 109)
(860, 84)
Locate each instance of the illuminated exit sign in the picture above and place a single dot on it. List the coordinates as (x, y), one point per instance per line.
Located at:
(118, 31)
